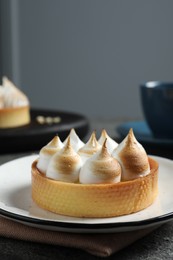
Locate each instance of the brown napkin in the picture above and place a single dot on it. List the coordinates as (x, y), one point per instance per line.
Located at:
(97, 244)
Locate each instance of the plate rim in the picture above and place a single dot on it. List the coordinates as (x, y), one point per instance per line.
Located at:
(86, 227)
(95, 226)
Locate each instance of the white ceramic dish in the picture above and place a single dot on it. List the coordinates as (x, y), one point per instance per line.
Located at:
(16, 203)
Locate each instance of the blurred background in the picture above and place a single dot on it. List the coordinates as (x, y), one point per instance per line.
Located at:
(86, 56)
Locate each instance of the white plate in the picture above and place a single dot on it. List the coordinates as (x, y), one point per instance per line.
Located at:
(16, 203)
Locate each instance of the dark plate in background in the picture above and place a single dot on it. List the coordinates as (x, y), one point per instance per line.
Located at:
(33, 136)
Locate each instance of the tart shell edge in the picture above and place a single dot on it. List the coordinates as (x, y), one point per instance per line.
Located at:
(95, 200)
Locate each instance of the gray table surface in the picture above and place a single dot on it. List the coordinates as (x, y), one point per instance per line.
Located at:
(158, 245)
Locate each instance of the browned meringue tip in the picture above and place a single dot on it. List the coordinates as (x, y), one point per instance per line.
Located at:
(92, 139)
(92, 146)
(68, 147)
(104, 150)
(68, 144)
(131, 131)
(54, 141)
(72, 130)
(104, 133)
(131, 137)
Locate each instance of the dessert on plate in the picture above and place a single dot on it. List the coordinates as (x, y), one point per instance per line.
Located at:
(106, 183)
(14, 106)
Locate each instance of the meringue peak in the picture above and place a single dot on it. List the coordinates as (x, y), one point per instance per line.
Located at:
(92, 146)
(104, 133)
(55, 142)
(74, 139)
(111, 144)
(132, 157)
(46, 153)
(93, 141)
(13, 97)
(131, 139)
(53, 146)
(101, 168)
(68, 149)
(65, 165)
(104, 151)
(73, 134)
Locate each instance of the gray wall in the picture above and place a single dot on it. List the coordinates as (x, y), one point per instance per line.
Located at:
(90, 56)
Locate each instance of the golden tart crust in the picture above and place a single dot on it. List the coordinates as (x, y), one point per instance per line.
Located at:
(95, 200)
(14, 117)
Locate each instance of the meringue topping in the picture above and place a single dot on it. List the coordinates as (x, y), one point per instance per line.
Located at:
(11, 95)
(75, 141)
(132, 157)
(110, 143)
(90, 148)
(54, 146)
(65, 165)
(100, 168)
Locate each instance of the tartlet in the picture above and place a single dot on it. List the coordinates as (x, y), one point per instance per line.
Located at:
(14, 106)
(97, 199)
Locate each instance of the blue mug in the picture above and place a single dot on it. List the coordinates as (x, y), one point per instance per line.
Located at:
(157, 105)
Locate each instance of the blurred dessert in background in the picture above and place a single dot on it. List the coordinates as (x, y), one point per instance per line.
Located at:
(14, 106)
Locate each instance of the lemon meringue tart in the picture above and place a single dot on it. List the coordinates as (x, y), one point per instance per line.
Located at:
(14, 106)
(105, 185)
